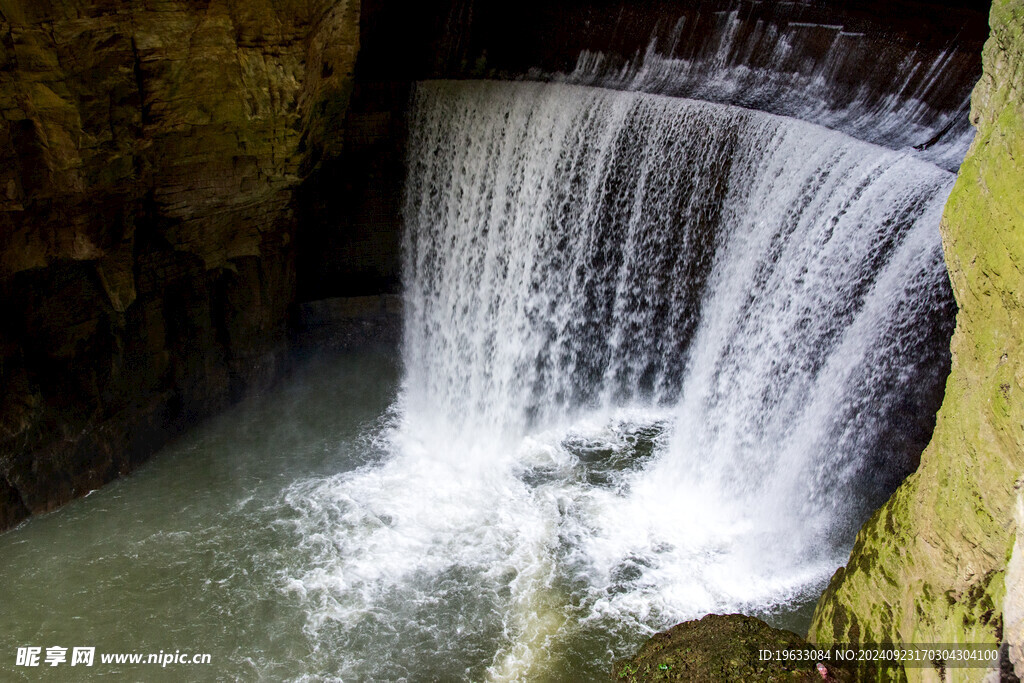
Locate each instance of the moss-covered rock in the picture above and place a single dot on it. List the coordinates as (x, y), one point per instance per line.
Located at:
(724, 648)
(929, 565)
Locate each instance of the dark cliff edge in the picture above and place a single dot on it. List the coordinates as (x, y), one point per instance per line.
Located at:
(147, 219)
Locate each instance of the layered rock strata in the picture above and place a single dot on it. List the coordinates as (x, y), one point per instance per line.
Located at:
(151, 151)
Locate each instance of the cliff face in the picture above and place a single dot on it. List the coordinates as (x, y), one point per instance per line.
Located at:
(150, 151)
(930, 565)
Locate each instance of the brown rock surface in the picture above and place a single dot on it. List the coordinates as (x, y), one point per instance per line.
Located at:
(150, 153)
(732, 647)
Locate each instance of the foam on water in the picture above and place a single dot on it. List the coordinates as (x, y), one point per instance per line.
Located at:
(659, 356)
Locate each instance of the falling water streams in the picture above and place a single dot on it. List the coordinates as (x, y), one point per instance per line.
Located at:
(660, 358)
(819, 73)
(656, 356)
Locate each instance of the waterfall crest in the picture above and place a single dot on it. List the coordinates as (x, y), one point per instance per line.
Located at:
(821, 73)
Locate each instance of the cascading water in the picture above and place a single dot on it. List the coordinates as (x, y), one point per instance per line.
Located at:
(659, 356)
(818, 73)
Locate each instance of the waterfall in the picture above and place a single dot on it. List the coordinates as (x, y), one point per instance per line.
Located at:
(821, 73)
(572, 249)
(660, 355)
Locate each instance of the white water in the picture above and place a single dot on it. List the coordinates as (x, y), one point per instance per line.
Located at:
(652, 346)
(781, 69)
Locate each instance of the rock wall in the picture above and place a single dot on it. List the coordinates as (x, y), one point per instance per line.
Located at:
(930, 565)
(151, 150)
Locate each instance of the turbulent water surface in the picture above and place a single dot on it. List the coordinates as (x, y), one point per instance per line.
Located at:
(660, 357)
(194, 552)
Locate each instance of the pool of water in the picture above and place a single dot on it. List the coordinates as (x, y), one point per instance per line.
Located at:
(250, 539)
(187, 552)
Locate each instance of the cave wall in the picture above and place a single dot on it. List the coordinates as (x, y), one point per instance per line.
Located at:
(151, 154)
(930, 565)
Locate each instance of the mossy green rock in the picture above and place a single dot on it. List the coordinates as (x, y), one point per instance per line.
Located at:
(723, 648)
(929, 565)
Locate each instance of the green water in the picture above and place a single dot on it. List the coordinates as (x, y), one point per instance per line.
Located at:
(184, 554)
(245, 540)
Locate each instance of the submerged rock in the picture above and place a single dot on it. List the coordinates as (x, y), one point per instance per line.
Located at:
(725, 648)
